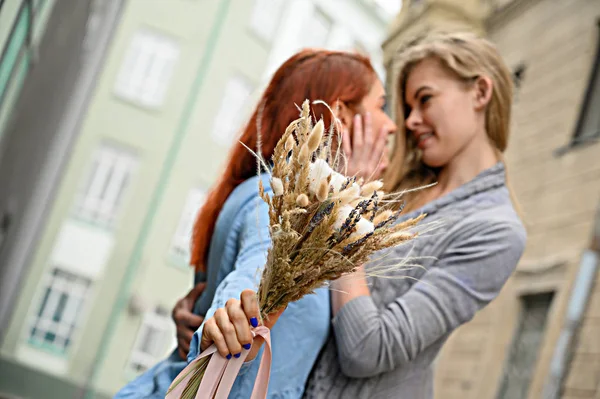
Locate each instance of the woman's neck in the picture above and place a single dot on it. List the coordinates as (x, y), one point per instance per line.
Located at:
(477, 156)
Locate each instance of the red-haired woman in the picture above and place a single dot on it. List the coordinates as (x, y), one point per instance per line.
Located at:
(231, 234)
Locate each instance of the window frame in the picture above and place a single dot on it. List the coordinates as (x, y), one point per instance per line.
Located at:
(115, 159)
(317, 13)
(157, 319)
(196, 197)
(517, 339)
(44, 306)
(25, 12)
(579, 137)
(254, 21)
(149, 43)
(222, 115)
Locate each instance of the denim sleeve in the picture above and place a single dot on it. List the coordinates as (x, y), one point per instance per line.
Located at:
(468, 275)
(254, 241)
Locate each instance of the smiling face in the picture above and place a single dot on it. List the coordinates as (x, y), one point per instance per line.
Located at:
(443, 113)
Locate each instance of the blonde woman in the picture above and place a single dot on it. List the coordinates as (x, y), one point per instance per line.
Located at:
(454, 101)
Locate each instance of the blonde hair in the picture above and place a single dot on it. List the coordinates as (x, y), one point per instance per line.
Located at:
(467, 56)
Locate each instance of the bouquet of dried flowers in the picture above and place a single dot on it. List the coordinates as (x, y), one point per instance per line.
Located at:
(322, 224)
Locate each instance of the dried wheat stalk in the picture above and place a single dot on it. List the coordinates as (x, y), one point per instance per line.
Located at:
(322, 224)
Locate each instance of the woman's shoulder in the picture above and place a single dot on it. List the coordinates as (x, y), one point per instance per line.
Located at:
(481, 211)
(241, 201)
(483, 219)
(499, 224)
(248, 189)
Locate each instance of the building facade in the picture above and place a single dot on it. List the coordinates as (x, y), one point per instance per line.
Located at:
(54, 57)
(111, 259)
(541, 337)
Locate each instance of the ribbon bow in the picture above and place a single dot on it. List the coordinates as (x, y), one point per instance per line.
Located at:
(221, 373)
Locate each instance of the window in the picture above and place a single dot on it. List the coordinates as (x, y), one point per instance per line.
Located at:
(525, 346)
(15, 47)
(265, 17)
(518, 75)
(57, 317)
(180, 245)
(106, 183)
(360, 48)
(37, 4)
(588, 126)
(317, 30)
(231, 114)
(14, 62)
(155, 338)
(147, 69)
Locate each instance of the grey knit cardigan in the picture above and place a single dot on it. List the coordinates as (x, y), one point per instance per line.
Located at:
(383, 345)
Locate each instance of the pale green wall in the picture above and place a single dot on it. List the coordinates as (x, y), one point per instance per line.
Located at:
(148, 133)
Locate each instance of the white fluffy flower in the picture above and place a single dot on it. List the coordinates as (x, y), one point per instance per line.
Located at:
(342, 215)
(319, 170)
(363, 227)
(277, 186)
(337, 180)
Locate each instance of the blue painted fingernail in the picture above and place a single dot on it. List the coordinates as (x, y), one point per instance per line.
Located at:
(247, 346)
(237, 355)
(254, 322)
(229, 356)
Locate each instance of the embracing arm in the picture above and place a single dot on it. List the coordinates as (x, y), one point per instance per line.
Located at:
(467, 276)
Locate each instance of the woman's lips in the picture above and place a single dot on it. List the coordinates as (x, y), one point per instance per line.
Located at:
(424, 139)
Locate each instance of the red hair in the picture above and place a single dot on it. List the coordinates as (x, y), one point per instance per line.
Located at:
(309, 74)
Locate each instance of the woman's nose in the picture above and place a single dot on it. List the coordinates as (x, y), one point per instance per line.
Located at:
(391, 125)
(413, 120)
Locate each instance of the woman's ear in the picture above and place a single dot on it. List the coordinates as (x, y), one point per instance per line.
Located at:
(483, 92)
(343, 113)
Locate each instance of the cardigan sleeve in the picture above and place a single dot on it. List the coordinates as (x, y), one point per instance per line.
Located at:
(466, 277)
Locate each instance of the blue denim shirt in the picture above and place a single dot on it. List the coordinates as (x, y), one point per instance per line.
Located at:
(237, 253)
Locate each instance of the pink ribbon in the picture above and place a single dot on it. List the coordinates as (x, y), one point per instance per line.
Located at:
(221, 373)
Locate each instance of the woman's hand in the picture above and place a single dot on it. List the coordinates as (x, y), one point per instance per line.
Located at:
(185, 320)
(230, 329)
(367, 152)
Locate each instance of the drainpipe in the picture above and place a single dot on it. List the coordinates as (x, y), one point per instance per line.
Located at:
(165, 174)
(577, 304)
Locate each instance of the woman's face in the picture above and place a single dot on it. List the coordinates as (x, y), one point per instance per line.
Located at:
(366, 134)
(382, 127)
(444, 114)
(374, 103)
